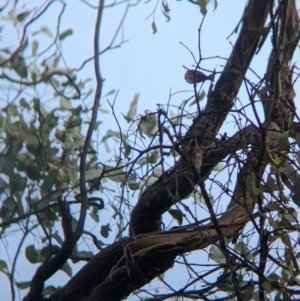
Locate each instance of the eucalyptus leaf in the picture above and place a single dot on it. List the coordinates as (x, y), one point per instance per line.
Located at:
(65, 33)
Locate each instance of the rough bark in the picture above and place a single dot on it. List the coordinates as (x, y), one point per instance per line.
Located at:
(179, 181)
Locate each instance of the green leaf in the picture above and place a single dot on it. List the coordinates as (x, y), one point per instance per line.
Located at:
(16, 183)
(243, 250)
(132, 182)
(12, 110)
(56, 61)
(267, 286)
(203, 4)
(31, 254)
(60, 135)
(116, 210)
(3, 185)
(94, 215)
(34, 46)
(296, 199)
(254, 187)
(113, 91)
(200, 97)
(117, 176)
(247, 294)
(3, 266)
(77, 111)
(19, 65)
(65, 103)
(55, 83)
(105, 229)
(126, 149)
(132, 108)
(216, 4)
(46, 30)
(85, 254)
(218, 167)
(51, 120)
(73, 122)
(177, 214)
(284, 141)
(33, 172)
(165, 7)
(43, 29)
(271, 184)
(93, 173)
(34, 73)
(216, 255)
(10, 204)
(44, 252)
(36, 104)
(148, 124)
(49, 181)
(49, 290)
(167, 16)
(24, 104)
(224, 282)
(275, 159)
(153, 157)
(104, 111)
(65, 33)
(24, 45)
(154, 28)
(110, 133)
(23, 285)
(67, 269)
(22, 16)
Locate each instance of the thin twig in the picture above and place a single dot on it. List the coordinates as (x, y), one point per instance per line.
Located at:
(18, 49)
(87, 142)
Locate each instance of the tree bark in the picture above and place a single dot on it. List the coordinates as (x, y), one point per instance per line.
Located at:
(179, 181)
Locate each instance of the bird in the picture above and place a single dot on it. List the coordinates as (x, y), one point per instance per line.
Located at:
(195, 76)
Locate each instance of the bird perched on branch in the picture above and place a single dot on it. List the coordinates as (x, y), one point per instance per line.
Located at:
(195, 76)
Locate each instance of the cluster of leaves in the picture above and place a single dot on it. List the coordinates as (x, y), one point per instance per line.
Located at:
(42, 140)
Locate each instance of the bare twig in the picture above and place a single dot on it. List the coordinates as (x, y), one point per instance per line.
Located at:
(50, 267)
(18, 49)
(83, 191)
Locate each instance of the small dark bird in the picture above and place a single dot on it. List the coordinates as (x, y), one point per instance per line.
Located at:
(195, 76)
(224, 137)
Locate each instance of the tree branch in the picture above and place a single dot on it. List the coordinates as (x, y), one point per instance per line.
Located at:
(47, 269)
(179, 182)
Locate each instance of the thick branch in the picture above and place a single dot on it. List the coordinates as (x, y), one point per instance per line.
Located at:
(279, 94)
(132, 262)
(179, 181)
